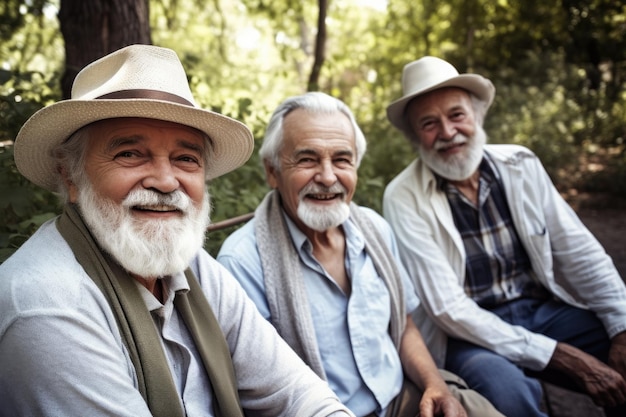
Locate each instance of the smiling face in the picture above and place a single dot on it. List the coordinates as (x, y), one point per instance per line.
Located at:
(450, 141)
(143, 195)
(126, 154)
(317, 175)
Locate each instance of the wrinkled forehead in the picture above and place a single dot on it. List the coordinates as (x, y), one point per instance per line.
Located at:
(442, 98)
(145, 130)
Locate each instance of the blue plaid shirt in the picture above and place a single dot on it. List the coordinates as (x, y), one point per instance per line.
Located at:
(497, 266)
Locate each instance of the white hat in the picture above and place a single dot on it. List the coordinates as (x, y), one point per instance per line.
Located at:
(430, 73)
(136, 81)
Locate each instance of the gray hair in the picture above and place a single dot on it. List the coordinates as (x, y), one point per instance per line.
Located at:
(479, 106)
(313, 102)
(70, 156)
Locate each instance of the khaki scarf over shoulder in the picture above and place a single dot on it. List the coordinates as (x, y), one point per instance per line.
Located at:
(140, 336)
(285, 287)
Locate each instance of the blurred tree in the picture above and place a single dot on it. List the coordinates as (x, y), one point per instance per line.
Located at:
(558, 69)
(94, 28)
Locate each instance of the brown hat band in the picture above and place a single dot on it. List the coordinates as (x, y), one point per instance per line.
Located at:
(145, 94)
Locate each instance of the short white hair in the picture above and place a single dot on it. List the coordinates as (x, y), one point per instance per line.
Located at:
(313, 102)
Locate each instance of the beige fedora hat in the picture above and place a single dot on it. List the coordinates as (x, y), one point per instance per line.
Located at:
(430, 73)
(136, 81)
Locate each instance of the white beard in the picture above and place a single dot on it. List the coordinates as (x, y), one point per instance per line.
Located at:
(459, 166)
(148, 248)
(318, 217)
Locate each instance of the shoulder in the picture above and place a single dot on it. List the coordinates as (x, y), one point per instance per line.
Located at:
(378, 222)
(373, 216)
(404, 178)
(509, 153)
(44, 250)
(415, 181)
(241, 241)
(42, 285)
(239, 253)
(43, 273)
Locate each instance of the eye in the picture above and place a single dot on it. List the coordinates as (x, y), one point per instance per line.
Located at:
(428, 125)
(188, 162)
(306, 161)
(189, 158)
(457, 115)
(343, 161)
(126, 154)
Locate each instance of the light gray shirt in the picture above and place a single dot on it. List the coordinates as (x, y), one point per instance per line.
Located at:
(61, 352)
(565, 257)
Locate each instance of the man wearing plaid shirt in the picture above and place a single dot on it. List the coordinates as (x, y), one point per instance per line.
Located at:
(513, 285)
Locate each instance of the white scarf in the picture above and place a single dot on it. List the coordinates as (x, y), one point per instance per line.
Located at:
(284, 284)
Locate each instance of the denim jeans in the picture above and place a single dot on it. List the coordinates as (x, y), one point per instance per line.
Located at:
(512, 390)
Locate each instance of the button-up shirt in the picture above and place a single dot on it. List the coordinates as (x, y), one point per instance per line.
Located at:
(497, 266)
(361, 363)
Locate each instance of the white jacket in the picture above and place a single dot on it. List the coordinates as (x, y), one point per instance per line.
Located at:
(564, 255)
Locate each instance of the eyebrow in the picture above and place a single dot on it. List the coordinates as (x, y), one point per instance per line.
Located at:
(124, 140)
(458, 107)
(344, 152)
(134, 139)
(192, 146)
(454, 108)
(307, 151)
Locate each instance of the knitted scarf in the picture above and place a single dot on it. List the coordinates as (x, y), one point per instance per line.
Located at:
(285, 287)
(139, 334)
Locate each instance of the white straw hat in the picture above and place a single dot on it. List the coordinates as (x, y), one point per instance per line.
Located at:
(430, 73)
(136, 81)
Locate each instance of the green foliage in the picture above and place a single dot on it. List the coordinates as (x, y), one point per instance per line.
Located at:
(559, 70)
(23, 206)
(28, 81)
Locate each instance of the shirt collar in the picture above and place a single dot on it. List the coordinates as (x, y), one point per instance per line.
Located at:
(171, 285)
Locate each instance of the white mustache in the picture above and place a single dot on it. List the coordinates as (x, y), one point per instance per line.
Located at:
(312, 188)
(176, 200)
(457, 139)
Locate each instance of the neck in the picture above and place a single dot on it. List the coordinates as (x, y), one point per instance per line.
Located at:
(329, 248)
(326, 239)
(154, 285)
(469, 186)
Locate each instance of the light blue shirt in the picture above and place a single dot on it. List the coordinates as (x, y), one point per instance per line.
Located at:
(361, 363)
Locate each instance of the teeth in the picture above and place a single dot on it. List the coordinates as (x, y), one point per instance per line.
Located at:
(157, 208)
(323, 196)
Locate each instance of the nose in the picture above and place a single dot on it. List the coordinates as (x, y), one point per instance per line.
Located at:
(448, 129)
(326, 174)
(161, 176)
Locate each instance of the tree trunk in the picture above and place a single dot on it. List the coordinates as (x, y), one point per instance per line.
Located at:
(94, 28)
(320, 47)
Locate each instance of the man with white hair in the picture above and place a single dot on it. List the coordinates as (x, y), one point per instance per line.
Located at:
(114, 308)
(325, 272)
(516, 285)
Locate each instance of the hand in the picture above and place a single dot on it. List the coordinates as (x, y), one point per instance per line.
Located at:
(436, 403)
(603, 384)
(617, 354)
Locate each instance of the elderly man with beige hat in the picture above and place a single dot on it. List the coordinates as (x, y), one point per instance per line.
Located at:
(114, 308)
(514, 287)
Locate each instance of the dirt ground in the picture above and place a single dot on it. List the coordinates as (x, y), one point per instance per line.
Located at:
(609, 227)
(606, 218)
